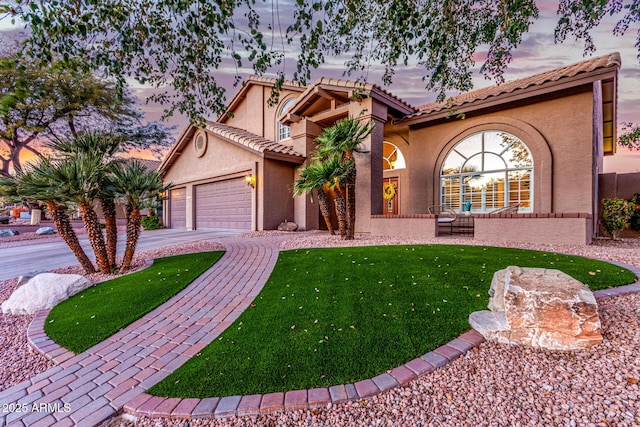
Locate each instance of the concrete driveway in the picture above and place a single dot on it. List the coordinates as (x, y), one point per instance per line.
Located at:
(20, 260)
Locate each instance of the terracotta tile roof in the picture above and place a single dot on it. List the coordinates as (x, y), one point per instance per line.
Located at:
(270, 81)
(611, 60)
(250, 140)
(350, 84)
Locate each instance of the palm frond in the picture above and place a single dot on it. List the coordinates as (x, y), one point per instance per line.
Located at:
(135, 184)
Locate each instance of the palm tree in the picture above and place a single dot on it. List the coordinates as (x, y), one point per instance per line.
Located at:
(39, 183)
(134, 185)
(105, 145)
(321, 178)
(343, 139)
(80, 178)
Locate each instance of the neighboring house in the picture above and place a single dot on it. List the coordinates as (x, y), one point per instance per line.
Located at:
(537, 141)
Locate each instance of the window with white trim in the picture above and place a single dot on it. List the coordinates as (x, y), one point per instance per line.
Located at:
(492, 169)
(284, 132)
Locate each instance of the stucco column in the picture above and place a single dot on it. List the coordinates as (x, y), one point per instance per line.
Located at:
(369, 165)
(189, 201)
(305, 213)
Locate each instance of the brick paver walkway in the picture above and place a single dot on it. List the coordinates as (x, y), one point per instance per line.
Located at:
(88, 388)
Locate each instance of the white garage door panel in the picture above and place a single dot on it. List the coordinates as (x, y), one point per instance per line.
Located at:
(223, 205)
(178, 208)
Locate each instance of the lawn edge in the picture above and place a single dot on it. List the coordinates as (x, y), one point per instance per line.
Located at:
(40, 341)
(259, 404)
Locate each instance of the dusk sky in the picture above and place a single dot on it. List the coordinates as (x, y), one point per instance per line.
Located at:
(537, 53)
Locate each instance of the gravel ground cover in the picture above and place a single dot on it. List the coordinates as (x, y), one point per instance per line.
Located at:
(497, 385)
(18, 360)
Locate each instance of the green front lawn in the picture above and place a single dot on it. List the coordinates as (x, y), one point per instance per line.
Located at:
(334, 316)
(95, 314)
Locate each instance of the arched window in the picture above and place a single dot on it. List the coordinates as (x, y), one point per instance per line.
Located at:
(284, 132)
(491, 169)
(392, 157)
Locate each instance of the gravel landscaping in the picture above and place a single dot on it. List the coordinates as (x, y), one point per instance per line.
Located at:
(497, 385)
(19, 360)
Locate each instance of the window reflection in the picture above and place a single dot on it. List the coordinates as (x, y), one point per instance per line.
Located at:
(392, 157)
(491, 169)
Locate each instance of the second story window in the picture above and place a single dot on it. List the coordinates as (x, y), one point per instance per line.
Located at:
(284, 132)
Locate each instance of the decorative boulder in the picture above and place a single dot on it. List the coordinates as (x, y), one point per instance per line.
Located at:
(8, 233)
(43, 292)
(24, 279)
(287, 226)
(45, 231)
(541, 308)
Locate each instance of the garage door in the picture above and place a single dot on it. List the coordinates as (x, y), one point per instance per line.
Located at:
(178, 208)
(223, 205)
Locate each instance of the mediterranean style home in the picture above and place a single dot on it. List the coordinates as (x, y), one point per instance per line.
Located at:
(535, 145)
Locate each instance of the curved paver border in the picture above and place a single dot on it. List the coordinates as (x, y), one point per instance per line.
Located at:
(40, 341)
(257, 404)
(221, 407)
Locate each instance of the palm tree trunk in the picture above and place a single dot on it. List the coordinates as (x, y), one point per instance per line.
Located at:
(92, 225)
(350, 186)
(341, 211)
(133, 234)
(111, 228)
(324, 210)
(66, 231)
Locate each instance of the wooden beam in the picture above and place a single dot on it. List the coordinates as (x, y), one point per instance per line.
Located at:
(292, 118)
(327, 114)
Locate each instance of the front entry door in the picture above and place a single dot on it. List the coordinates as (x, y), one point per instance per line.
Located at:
(390, 191)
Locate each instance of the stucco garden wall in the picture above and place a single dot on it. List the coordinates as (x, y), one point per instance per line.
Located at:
(567, 228)
(418, 226)
(557, 131)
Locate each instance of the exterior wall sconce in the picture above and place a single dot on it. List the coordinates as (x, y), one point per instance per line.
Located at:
(250, 180)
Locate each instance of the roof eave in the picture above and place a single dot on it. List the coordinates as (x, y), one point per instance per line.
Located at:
(176, 150)
(516, 95)
(266, 154)
(242, 92)
(324, 85)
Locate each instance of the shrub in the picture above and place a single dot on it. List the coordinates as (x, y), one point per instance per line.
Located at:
(616, 213)
(634, 221)
(102, 224)
(151, 222)
(4, 219)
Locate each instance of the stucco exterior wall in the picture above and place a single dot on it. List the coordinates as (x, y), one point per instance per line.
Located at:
(254, 115)
(221, 158)
(278, 200)
(558, 132)
(220, 161)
